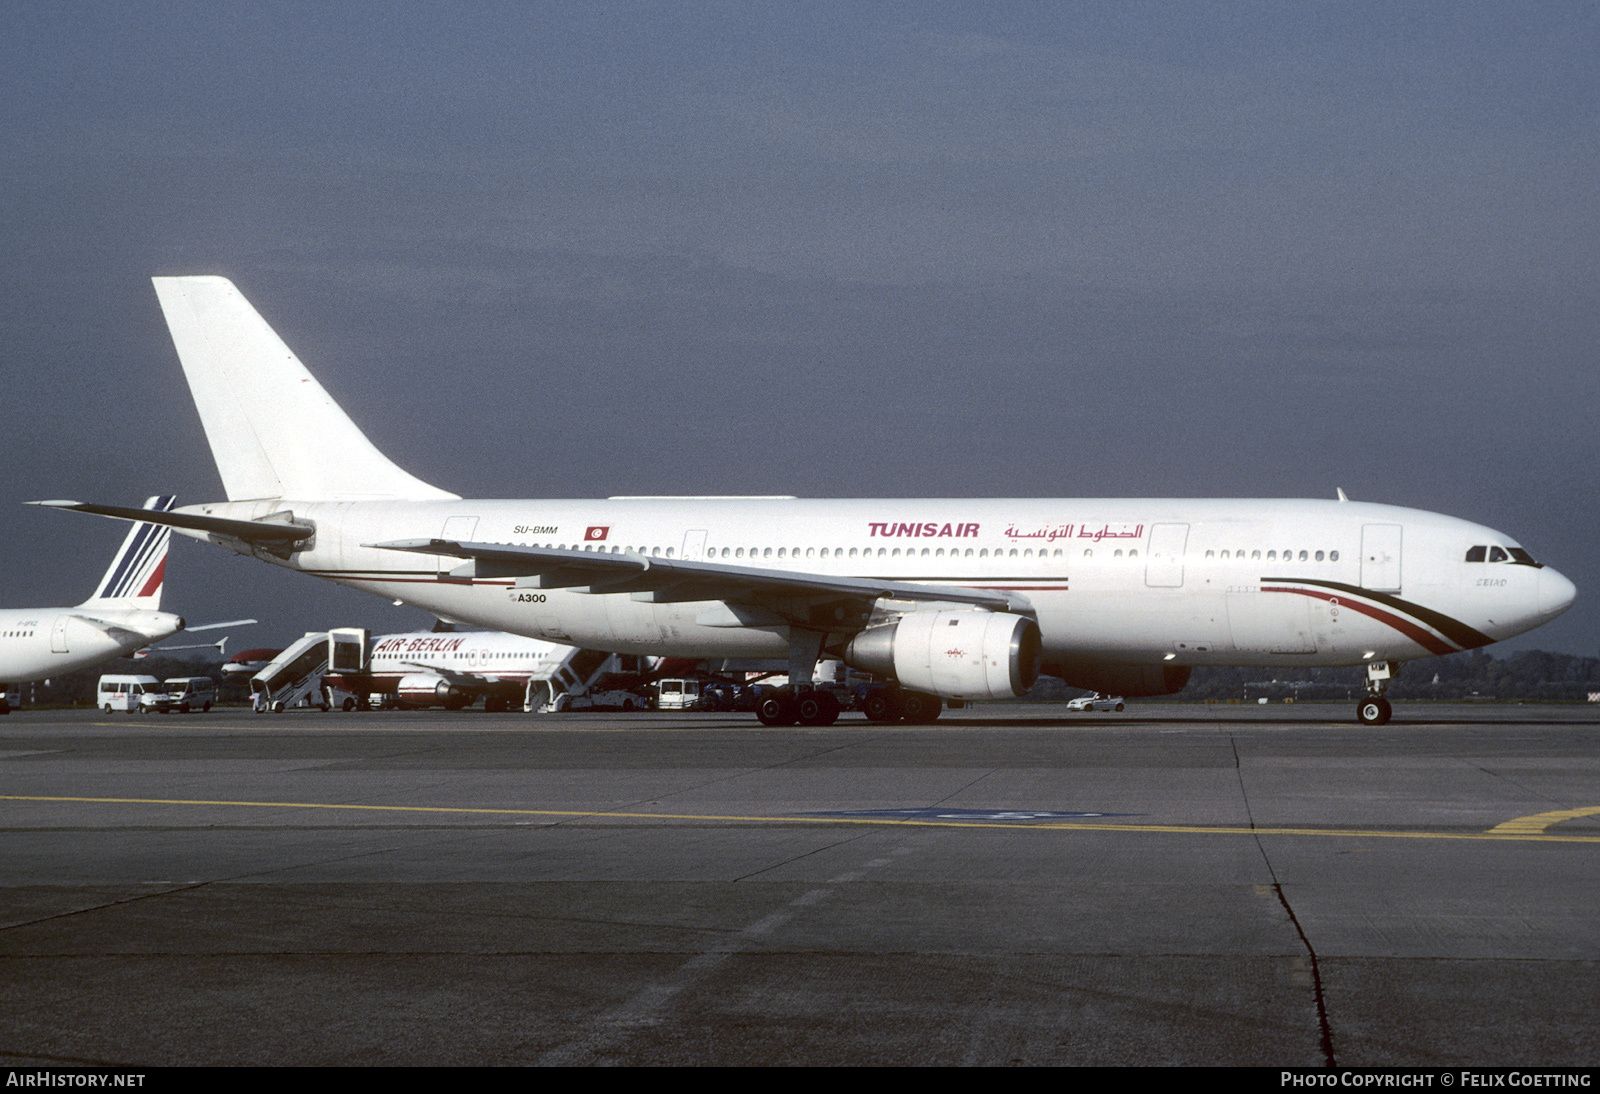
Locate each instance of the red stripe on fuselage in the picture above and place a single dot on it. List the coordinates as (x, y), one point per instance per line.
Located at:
(1430, 642)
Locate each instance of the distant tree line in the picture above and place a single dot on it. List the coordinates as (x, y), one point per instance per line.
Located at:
(1529, 675)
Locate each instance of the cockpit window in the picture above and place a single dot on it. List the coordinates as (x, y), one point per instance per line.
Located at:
(1497, 554)
(1476, 554)
(1523, 558)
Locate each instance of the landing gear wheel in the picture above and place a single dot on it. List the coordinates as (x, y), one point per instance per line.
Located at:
(776, 710)
(919, 709)
(882, 706)
(816, 708)
(1373, 711)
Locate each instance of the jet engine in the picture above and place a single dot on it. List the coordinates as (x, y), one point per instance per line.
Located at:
(953, 654)
(429, 689)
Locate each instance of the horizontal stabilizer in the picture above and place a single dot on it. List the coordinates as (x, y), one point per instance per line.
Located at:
(266, 533)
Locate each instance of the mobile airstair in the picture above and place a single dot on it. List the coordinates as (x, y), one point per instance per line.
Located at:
(579, 683)
(293, 677)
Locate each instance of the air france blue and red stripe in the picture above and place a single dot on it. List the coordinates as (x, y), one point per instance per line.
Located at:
(141, 564)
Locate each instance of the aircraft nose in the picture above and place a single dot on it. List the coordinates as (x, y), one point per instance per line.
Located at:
(1556, 593)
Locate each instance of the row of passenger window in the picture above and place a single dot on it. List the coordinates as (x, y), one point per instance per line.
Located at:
(734, 553)
(1288, 556)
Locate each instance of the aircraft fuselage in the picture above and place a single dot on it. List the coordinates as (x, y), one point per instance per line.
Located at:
(1136, 581)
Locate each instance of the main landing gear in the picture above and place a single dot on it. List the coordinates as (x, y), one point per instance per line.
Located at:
(813, 706)
(818, 707)
(807, 706)
(894, 705)
(1375, 710)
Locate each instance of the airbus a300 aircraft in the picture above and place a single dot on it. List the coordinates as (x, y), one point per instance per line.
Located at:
(952, 598)
(123, 615)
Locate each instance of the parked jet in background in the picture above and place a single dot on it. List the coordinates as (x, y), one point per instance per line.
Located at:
(246, 663)
(953, 598)
(453, 669)
(122, 616)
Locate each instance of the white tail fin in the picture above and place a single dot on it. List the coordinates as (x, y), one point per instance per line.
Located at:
(138, 572)
(274, 431)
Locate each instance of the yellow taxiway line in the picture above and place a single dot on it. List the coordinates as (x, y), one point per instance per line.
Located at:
(1499, 833)
(1540, 821)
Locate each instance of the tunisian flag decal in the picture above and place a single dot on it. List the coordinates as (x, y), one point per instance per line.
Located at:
(596, 531)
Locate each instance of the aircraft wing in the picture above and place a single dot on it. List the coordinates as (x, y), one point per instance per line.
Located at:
(668, 580)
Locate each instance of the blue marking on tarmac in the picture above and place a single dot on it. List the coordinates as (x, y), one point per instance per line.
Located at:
(937, 813)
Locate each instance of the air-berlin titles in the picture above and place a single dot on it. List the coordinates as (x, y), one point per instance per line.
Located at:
(418, 645)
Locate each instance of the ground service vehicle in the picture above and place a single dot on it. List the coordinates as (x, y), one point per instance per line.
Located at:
(133, 694)
(191, 693)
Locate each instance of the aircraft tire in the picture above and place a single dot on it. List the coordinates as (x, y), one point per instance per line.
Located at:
(776, 710)
(1374, 711)
(882, 706)
(816, 708)
(919, 709)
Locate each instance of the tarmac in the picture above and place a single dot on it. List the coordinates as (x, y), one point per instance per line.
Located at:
(1176, 884)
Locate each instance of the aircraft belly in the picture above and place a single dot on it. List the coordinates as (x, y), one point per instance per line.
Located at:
(1262, 622)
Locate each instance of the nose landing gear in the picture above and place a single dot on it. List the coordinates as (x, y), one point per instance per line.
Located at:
(1375, 710)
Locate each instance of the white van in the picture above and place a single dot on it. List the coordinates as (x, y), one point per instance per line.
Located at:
(191, 692)
(678, 695)
(138, 694)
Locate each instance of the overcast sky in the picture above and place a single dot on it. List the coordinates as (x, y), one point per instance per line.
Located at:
(830, 250)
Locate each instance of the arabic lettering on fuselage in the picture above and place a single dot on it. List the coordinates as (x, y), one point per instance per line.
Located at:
(1076, 531)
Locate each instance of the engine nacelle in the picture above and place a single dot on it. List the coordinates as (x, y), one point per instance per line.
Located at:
(953, 654)
(428, 689)
(1130, 681)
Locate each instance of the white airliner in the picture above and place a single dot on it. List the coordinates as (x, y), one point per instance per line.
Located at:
(453, 668)
(952, 598)
(122, 616)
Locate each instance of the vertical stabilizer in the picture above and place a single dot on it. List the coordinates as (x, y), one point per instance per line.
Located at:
(138, 572)
(274, 431)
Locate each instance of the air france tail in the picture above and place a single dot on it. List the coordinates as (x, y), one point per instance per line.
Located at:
(273, 430)
(138, 572)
